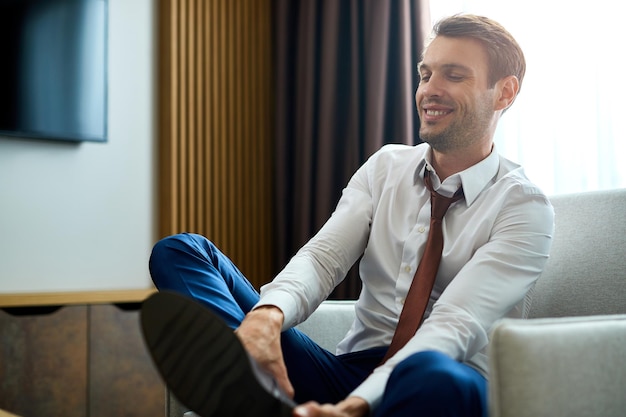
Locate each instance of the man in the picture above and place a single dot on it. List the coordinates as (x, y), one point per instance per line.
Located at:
(496, 242)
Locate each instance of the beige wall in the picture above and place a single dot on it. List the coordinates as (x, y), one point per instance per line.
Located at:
(81, 216)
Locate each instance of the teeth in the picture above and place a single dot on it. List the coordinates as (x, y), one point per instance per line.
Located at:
(435, 112)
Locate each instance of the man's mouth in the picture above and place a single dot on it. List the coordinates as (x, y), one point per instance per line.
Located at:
(435, 113)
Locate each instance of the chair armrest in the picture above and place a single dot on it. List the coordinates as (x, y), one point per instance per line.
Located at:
(558, 367)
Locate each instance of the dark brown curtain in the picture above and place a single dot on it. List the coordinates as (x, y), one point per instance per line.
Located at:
(345, 85)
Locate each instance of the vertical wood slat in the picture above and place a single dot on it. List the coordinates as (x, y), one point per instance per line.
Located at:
(215, 129)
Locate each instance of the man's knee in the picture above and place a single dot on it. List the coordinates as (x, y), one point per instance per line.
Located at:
(433, 381)
(170, 250)
(178, 244)
(436, 371)
(433, 366)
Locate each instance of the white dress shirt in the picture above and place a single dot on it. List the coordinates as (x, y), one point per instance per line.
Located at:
(496, 243)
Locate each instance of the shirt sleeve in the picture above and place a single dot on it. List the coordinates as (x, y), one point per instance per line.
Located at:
(496, 279)
(320, 265)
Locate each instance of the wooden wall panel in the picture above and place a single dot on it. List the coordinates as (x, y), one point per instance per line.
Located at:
(77, 361)
(123, 380)
(43, 362)
(215, 126)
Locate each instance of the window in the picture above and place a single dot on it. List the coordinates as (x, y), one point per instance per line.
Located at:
(568, 125)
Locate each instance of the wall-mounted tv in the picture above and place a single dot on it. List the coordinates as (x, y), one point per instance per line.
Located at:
(53, 69)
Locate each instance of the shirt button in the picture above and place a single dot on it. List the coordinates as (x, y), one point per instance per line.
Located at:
(407, 268)
(422, 229)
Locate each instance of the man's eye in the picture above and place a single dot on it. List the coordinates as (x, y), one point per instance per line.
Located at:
(455, 78)
(424, 78)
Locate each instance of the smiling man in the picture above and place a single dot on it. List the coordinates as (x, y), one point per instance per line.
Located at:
(394, 361)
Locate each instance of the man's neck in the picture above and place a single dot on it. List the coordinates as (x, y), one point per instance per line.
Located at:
(450, 162)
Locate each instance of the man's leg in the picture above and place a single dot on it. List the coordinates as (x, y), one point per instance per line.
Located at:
(191, 265)
(434, 385)
(321, 376)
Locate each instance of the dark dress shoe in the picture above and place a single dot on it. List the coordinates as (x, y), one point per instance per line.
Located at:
(204, 364)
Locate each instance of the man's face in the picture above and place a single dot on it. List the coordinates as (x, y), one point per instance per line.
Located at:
(454, 101)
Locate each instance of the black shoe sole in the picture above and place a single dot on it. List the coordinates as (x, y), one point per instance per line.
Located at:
(204, 364)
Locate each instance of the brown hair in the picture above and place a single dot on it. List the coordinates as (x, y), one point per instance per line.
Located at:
(505, 55)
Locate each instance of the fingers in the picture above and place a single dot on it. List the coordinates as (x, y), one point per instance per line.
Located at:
(303, 410)
(310, 409)
(313, 409)
(350, 407)
(279, 371)
(283, 380)
(260, 335)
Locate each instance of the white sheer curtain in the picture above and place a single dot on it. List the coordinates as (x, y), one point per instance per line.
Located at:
(568, 125)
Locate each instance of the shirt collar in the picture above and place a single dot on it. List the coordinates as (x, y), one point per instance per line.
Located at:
(474, 179)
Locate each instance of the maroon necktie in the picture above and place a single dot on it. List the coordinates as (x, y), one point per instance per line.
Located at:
(424, 279)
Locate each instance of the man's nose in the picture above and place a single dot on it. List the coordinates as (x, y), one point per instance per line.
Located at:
(432, 87)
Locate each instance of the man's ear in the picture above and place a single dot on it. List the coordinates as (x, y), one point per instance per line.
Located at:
(507, 89)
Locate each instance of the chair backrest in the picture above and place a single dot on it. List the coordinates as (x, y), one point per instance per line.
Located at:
(329, 323)
(586, 272)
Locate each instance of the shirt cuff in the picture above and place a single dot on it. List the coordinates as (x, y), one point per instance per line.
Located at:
(285, 303)
(372, 389)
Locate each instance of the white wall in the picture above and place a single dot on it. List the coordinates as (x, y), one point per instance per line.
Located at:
(81, 216)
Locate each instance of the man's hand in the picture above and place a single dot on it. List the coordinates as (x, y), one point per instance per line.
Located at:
(350, 407)
(259, 333)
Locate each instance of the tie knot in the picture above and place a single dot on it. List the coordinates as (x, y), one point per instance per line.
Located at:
(439, 203)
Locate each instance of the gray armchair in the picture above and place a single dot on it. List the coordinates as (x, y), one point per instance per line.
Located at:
(569, 358)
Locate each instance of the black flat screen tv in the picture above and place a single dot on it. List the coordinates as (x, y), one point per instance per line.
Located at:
(53, 69)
